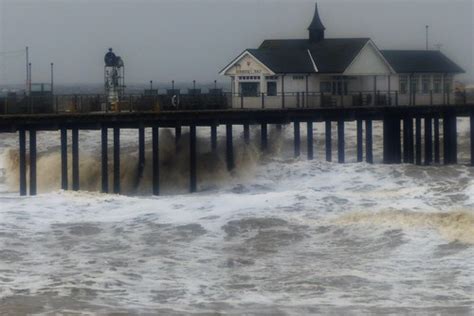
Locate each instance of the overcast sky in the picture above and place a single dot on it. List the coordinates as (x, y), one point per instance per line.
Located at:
(193, 39)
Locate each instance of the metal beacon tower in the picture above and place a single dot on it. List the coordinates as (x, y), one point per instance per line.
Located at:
(114, 79)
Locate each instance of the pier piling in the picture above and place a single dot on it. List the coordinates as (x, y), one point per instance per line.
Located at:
(213, 138)
(229, 148)
(450, 139)
(75, 159)
(141, 151)
(263, 137)
(296, 128)
(359, 141)
(368, 142)
(156, 160)
(105, 160)
(328, 141)
(340, 141)
(247, 134)
(32, 162)
(428, 141)
(22, 167)
(309, 127)
(436, 139)
(116, 160)
(192, 159)
(408, 153)
(177, 135)
(471, 132)
(64, 175)
(418, 140)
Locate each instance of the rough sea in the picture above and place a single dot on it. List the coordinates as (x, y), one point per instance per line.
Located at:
(277, 236)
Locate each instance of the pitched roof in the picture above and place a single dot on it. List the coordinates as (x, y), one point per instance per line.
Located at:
(332, 55)
(284, 60)
(416, 61)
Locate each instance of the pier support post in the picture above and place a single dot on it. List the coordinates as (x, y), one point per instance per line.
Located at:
(213, 138)
(192, 159)
(340, 141)
(408, 156)
(418, 141)
(471, 132)
(368, 141)
(263, 137)
(32, 162)
(105, 160)
(141, 151)
(177, 135)
(64, 176)
(229, 148)
(309, 128)
(428, 141)
(156, 160)
(296, 128)
(450, 139)
(391, 141)
(328, 141)
(247, 134)
(75, 159)
(359, 141)
(22, 167)
(436, 139)
(116, 160)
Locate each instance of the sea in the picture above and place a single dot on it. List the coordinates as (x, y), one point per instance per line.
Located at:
(278, 235)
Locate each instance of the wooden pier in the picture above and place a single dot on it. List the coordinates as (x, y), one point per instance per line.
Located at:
(402, 135)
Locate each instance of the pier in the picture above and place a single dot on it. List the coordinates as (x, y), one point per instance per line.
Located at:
(402, 135)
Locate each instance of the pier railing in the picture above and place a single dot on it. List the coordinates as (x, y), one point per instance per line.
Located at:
(89, 103)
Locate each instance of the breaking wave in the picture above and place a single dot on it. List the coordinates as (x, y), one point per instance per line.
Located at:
(453, 226)
(174, 165)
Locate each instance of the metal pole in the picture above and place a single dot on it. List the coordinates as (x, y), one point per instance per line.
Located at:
(27, 71)
(427, 26)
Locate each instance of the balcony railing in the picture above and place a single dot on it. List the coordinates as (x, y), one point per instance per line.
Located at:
(87, 103)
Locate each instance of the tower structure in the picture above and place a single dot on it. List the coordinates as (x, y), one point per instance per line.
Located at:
(114, 78)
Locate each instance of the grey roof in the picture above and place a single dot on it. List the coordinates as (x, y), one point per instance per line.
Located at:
(416, 61)
(284, 60)
(335, 55)
(332, 55)
(316, 23)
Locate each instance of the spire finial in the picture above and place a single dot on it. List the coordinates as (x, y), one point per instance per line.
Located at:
(316, 28)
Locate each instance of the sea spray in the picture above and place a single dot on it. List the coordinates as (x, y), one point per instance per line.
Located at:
(174, 165)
